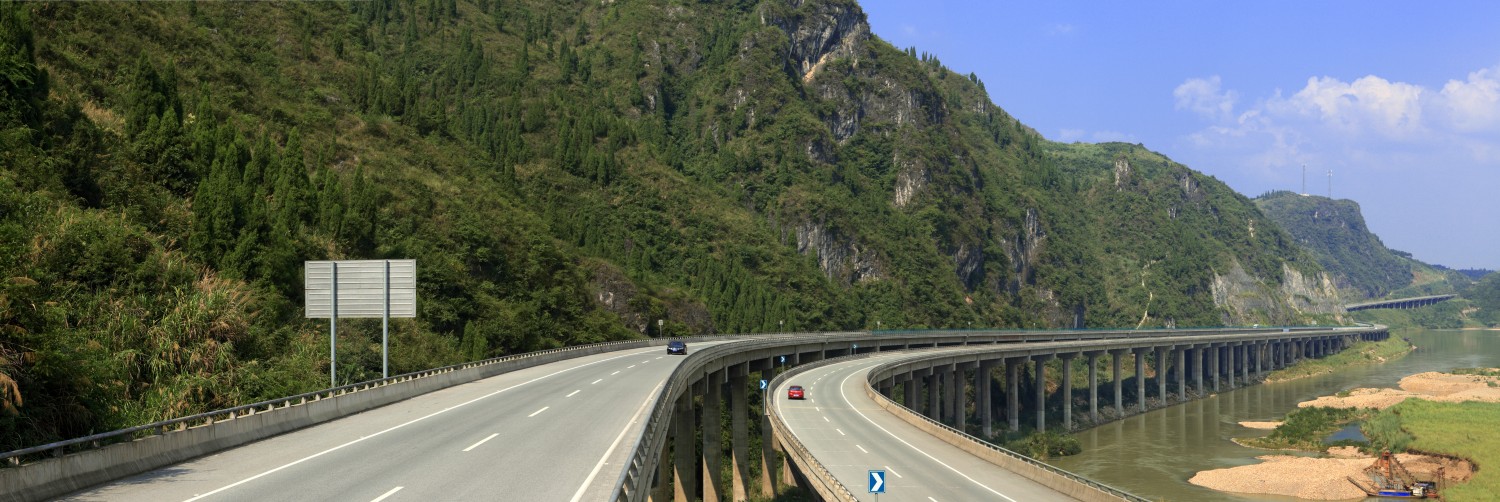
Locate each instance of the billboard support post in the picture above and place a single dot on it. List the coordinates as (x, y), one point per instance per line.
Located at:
(360, 288)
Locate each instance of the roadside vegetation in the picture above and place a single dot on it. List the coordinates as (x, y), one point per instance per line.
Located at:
(1362, 353)
(1045, 445)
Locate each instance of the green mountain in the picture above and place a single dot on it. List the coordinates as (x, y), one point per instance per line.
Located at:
(1335, 232)
(564, 172)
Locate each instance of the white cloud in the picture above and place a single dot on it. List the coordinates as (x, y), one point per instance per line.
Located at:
(1370, 103)
(1203, 96)
(1472, 105)
(1333, 121)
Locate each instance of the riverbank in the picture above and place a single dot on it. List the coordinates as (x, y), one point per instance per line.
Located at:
(1450, 415)
(1319, 478)
(1432, 386)
(1363, 353)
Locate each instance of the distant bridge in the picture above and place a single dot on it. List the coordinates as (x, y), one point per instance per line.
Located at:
(1399, 303)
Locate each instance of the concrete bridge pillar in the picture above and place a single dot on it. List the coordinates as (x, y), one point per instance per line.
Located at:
(1013, 395)
(1245, 363)
(1161, 374)
(956, 396)
(1182, 388)
(1093, 356)
(685, 461)
(910, 390)
(1067, 388)
(767, 442)
(1140, 378)
(1114, 355)
(985, 400)
(1198, 355)
(1260, 351)
(739, 459)
(934, 390)
(1217, 351)
(713, 413)
(1041, 391)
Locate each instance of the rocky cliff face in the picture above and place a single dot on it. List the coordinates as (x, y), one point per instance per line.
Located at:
(1246, 299)
(840, 259)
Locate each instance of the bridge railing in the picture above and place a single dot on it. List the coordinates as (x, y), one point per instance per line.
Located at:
(956, 436)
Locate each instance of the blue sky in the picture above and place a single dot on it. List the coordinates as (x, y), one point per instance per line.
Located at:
(1401, 100)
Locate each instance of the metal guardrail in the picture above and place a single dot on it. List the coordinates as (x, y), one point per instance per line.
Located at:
(60, 448)
(1110, 490)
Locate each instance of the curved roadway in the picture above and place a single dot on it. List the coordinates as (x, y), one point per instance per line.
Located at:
(851, 435)
(560, 431)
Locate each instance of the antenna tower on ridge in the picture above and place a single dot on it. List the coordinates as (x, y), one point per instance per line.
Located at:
(1330, 183)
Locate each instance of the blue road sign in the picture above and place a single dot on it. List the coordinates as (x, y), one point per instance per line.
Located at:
(762, 385)
(877, 481)
(783, 359)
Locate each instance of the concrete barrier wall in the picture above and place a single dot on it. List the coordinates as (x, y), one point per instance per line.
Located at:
(60, 476)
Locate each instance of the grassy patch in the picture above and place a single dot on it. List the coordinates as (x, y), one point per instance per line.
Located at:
(1044, 445)
(1464, 430)
(1305, 428)
(1362, 353)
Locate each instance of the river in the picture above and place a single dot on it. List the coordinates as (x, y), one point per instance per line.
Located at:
(1154, 454)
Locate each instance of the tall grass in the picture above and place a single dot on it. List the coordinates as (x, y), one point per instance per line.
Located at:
(1464, 430)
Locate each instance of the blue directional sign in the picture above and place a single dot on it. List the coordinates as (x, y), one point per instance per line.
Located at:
(783, 359)
(877, 481)
(762, 385)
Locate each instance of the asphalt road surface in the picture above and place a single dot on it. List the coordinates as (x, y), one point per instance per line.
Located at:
(851, 435)
(556, 432)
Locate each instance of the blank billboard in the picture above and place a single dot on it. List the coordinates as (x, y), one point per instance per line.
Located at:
(361, 288)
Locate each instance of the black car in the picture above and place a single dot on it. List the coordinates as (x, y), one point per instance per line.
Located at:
(676, 347)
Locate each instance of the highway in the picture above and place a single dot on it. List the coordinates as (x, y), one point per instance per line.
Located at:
(851, 435)
(556, 432)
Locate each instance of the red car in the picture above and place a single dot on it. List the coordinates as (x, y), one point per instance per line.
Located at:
(795, 392)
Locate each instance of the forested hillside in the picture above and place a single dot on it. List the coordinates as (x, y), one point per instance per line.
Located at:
(1335, 232)
(564, 172)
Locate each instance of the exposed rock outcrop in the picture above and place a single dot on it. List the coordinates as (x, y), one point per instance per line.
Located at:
(842, 260)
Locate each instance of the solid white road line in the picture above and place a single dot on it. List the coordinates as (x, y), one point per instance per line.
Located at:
(589, 480)
(387, 494)
(893, 471)
(861, 448)
(412, 421)
(570, 394)
(476, 445)
(538, 412)
(596, 381)
(845, 381)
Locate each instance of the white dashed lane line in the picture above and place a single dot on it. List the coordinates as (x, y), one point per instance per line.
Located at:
(570, 394)
(476, 445)
(387, 494)
(538, 412)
